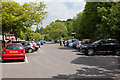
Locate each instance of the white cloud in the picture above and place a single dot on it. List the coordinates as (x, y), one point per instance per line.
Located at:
(62, 11)
(59, 9)
(50, 0)
(64, 0)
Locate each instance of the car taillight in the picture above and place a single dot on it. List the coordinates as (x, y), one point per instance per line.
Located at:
(23, 51)
(4, 51)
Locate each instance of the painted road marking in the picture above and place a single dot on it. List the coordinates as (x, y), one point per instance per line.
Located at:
(41, 51)
(26, 59)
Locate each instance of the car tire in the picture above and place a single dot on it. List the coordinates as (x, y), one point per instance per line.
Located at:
(117, 52)
(90, 52)
(30, 51)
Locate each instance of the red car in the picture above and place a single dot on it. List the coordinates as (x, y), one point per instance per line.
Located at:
(88, 41)
(13, 51)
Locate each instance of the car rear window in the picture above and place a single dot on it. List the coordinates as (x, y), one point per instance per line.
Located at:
(13, 47)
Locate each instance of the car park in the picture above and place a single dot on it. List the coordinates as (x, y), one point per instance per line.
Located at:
(13, 51)
(102, 46)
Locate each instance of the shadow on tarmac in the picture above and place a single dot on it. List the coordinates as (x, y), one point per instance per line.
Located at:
(98, 67)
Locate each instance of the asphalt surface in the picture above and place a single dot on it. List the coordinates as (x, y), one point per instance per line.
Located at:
(53, 61)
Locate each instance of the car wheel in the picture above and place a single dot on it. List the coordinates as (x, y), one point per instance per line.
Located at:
(90, 52)
(117, 52)
(30, 50)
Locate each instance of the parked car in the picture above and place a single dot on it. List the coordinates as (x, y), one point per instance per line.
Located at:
(13, 51)
(75, 43)
(43, 41)
(103, 45)
(88, 41)
(35, 45)
(71, 45)
(71, 41)
(78, 45)
(29, 47)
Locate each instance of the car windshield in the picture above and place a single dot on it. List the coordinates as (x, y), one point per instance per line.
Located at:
(96, 42)
(13, 47)
(109, 41)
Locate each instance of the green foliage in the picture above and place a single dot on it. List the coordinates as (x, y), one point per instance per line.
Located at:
(37, 36)
(16, 17)
(69, 26)
(42, 31)
(77, 27)
(98, 20)
(29, 34)
(68, 23)
(56, 30)
(37, 30)
(22, 35)
(68, 37)
(109, 26)
(47, 38)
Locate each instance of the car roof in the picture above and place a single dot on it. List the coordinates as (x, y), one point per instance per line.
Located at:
(14, 43)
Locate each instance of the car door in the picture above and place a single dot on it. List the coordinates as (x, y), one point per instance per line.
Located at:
(100, 47)
(110, 45)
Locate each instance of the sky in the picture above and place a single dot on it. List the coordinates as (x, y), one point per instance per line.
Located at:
(59, 9)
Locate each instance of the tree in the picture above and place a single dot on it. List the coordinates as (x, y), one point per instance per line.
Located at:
(58, 30)
(37, 36)
(42, 31)
(90, 20)
(77, 25)
(68, 23)
(37, 30)
(29, 34)
(22, 35)
(69, 26)
(109, 26)
(16, 17)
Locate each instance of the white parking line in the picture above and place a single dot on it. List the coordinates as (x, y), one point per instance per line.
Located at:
(41, 51)
(26, 59)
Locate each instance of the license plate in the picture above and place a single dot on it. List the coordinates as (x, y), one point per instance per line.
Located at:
(13, 51)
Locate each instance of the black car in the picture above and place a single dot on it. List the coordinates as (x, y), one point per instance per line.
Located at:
(103, 45)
